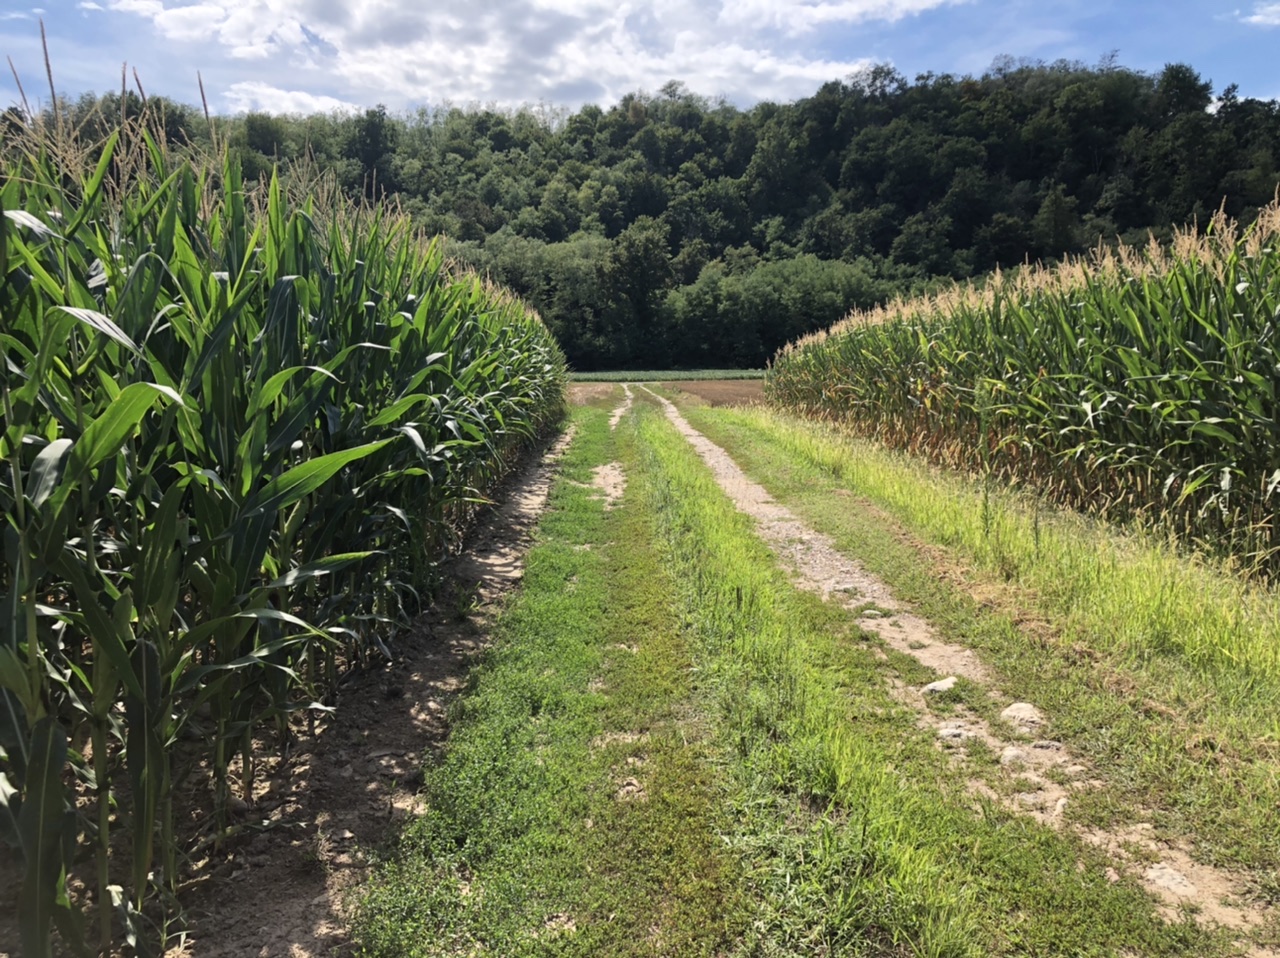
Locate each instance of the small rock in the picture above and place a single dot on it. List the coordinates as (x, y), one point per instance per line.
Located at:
(321, 899)
(1113, 876)
(1059, 807)
(346, 772)
(1031, 799)
(871, 613)
(347, 834)
(1023, 716)
(942, 685)
(1013, 755)
(631, 790)
(1047, 746)
(237, 806)
(1163, 876)
(954, 732)
(1076, 769)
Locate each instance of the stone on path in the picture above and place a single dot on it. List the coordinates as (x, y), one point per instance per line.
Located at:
(1163, 876)
(942, 685)
(1023, 716)
(954, 731)
(1013, 755)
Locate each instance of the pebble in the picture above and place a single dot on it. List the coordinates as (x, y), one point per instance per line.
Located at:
(1023, 716)
(954, 732)
(1047, 746)
(942, 685)
(1170, 879)
(1012, 755)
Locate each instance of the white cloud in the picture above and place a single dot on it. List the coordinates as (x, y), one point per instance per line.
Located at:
(253, 95)
(511, 51)
(15, 16)
(800, 16)
(1264, 15)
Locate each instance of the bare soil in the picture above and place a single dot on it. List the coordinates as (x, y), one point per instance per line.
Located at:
(584, 394)
(722, 392)
(1170, 873)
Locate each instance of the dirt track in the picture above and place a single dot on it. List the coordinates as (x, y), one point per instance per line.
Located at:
(1168, 872)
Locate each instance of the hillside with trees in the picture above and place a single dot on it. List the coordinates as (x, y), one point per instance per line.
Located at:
(671, 230)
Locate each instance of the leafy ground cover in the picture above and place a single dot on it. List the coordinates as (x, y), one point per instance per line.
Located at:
(1071, 615)
(672, 750)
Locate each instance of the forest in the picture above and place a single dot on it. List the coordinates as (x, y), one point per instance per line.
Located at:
(671, 230)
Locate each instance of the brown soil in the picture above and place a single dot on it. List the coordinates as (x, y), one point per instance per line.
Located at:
(1174, 877)
(722, 392)
(611, 481)
(584, 394)
(621, 410)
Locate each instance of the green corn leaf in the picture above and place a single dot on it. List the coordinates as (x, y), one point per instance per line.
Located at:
(46, 471)
(10, 809)
(105, 435)
(300, 481)
(314, 570)
(145, 757)
(93, 188)
(41, 826)
(14, 739)
(36, 225)
(101, 324)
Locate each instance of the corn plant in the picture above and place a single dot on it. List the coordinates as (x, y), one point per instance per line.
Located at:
(240, 433)
(1135, 382)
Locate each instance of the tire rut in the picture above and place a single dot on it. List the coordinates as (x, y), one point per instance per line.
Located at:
(1036, 766)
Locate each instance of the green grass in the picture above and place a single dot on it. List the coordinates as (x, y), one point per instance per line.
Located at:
(1121, 641)
(525, 849)
(857, 836)
(669, 375)
(793, 807)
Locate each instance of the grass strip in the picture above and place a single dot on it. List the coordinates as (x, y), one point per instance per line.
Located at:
(856, 835)
(1096, 627)
(572, 812)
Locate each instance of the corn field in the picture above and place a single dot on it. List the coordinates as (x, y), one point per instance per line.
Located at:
(240, 433)
(1136, 383)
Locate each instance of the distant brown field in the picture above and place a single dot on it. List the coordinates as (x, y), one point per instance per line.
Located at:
(583, 394)
(723, 392)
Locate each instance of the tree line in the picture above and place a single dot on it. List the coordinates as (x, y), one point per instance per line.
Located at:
(672, 230)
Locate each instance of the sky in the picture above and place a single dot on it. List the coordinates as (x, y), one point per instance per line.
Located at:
(285, 56)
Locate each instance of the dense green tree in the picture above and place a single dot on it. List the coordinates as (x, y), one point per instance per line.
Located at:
(667, 229)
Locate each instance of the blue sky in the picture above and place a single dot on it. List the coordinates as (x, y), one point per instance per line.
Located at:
(304, 55)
